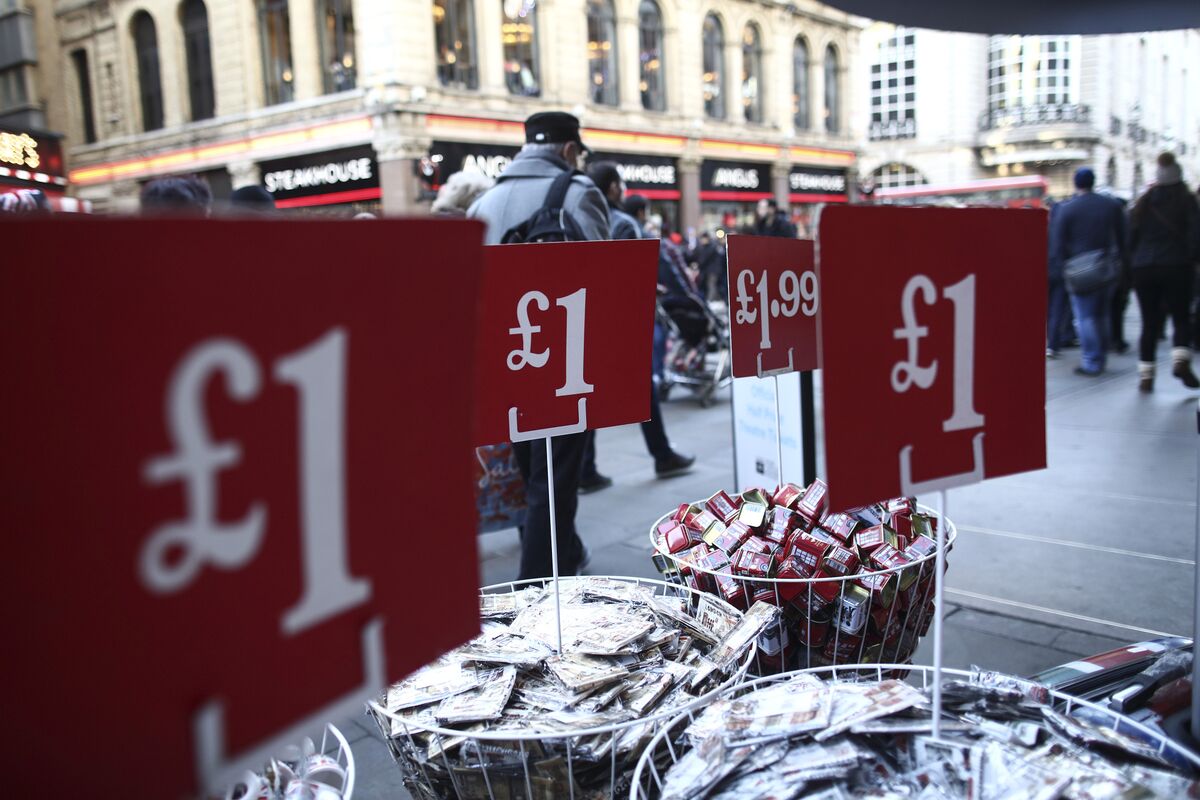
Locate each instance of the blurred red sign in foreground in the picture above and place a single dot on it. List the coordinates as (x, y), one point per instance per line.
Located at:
(933, 324)
(564, 338)
(237, 462)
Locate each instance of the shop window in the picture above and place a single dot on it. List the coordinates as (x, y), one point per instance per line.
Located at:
(145, 43)
(800, 115)
(337, 45)
(84, 76)
(602, 52)
(832, 91)
(276, 42)
(199, 58)
(752, 68)
(519, 32)
(653, 84)
(454, 36)
(714, 67)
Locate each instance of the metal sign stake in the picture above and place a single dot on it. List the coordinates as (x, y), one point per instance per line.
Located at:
(939, 568)
(778, 430)
(554, 540)
(1195, 727)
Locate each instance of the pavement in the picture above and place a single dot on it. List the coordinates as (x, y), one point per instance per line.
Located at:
(1091, 553)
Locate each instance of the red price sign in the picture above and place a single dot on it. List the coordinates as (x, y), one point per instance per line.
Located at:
(235, 516)
(565, 337)
(932, 379)
(773, 306)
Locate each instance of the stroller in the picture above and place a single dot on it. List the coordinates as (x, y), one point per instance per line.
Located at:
(697, 353)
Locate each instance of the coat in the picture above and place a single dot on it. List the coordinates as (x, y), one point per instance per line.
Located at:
(521, 190)
(1165, 231)
(1086, 222)
(621, 225)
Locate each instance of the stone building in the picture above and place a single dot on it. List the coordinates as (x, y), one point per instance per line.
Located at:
(707, 106)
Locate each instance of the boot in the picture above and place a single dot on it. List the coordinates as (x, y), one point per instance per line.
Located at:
(1146, 376)
(1182, 358)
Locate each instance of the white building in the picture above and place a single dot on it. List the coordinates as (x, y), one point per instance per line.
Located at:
(948, 108)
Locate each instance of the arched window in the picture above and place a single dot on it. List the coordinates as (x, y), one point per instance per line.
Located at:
(752, 62)
(833, 106)
(896, 174)
(800, 116)
(276, 41)
(602, 52)
(83, 74)
(337, 45)
(145, 43)
(714, 68)
(199, 58)
(653, 82)
(519, 31)
(454, 34)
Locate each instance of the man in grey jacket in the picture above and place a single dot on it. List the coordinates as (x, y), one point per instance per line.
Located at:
(552, 145)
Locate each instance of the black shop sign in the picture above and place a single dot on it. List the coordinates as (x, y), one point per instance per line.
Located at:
(447, 158)
(815, 180)
(642, 173)
(321, 173)
(735, 176)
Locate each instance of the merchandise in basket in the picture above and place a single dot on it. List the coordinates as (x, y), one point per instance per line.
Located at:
(798, 735)
(303, 772)
(506, 716)
(853, 587)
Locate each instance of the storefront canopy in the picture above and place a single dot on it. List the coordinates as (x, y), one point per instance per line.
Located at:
(1032, 16)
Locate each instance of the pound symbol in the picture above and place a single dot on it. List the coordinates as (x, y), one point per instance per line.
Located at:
(906, 373)
(525, 355)
(745, 315)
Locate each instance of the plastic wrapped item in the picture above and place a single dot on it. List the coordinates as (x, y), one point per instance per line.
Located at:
(303, 772)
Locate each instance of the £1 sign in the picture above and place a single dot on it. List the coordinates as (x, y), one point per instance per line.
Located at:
(932, 330)
(773, 305)
(217, 460)
(565, 337)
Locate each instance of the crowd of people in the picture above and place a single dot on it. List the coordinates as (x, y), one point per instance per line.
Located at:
(1100, 251)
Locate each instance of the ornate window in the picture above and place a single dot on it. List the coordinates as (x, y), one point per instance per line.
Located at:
(145, 43)
(454, 35)
(833, 100)
(653, 83)
(199, 58)
(337, 45)
(894, 87)
(714, 67)
(602, 52)
(800, 112)
(895, 174)
(276, 41)
(519, 32)
(752, 67)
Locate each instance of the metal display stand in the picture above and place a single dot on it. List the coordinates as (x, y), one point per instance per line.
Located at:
(329, 767)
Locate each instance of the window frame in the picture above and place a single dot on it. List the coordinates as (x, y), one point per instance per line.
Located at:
(344, 40)
(197, 53)
(752, 53)
(653, 99)
(534, 64)
(801, 84)
(602, 14)
(149, 69)
(714, 104)
(453, 75)
(833, 111)
(281, 89)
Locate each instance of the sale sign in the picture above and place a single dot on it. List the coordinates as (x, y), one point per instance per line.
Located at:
(933, 327)
(565, 338)
(773, 305)
(238, 475)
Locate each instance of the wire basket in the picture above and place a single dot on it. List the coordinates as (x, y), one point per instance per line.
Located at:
(324, 773)
(669, 744)
(544, 761)
(819, 626)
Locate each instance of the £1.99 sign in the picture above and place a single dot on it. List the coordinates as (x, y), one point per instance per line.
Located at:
(213, 460)
(565, 337)
(773, 305)
(932, 332)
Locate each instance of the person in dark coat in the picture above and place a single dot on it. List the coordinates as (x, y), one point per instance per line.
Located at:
(710, 260)
(772, 221)
(1058, 308)
(552, 146)
(1165, 240)
(667, 462)
(1085, 223)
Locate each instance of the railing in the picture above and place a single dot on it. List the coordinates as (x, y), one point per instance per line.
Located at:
(1018, 116)
(893, 129)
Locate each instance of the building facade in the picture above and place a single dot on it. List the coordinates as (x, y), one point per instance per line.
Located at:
(948, 109)
(706, 106)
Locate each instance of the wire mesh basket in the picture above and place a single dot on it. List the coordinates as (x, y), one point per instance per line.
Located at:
(867, 617)
(546, 756)
(670, 745)
(304, 772)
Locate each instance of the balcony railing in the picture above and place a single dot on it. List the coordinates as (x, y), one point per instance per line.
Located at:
(1020, 116)
(893, 129)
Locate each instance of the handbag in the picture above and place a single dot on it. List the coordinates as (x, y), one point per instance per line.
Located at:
(1095, 269)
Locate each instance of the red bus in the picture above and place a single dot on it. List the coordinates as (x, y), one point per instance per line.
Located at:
(1020, 192)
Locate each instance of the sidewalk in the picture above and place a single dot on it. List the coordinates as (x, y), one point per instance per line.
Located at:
(1091, 553)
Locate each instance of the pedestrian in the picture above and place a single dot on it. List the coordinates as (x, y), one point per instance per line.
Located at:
(667, 462)
(1058, 303)
(1089, 224)
(24, 201)
(1165, 241)
(187, 195)
(710, 261)
(252, 200)
(459, 191)
(552, 146)
(773, 221)
(1120, 300)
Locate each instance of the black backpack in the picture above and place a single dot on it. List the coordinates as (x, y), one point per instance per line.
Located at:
(551, 222)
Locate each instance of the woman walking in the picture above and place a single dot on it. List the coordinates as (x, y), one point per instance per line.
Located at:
(1164, 239)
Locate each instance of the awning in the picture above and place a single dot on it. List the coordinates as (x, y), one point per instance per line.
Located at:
(1032, 16)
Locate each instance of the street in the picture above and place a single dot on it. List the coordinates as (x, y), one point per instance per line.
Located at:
(1091, 553)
